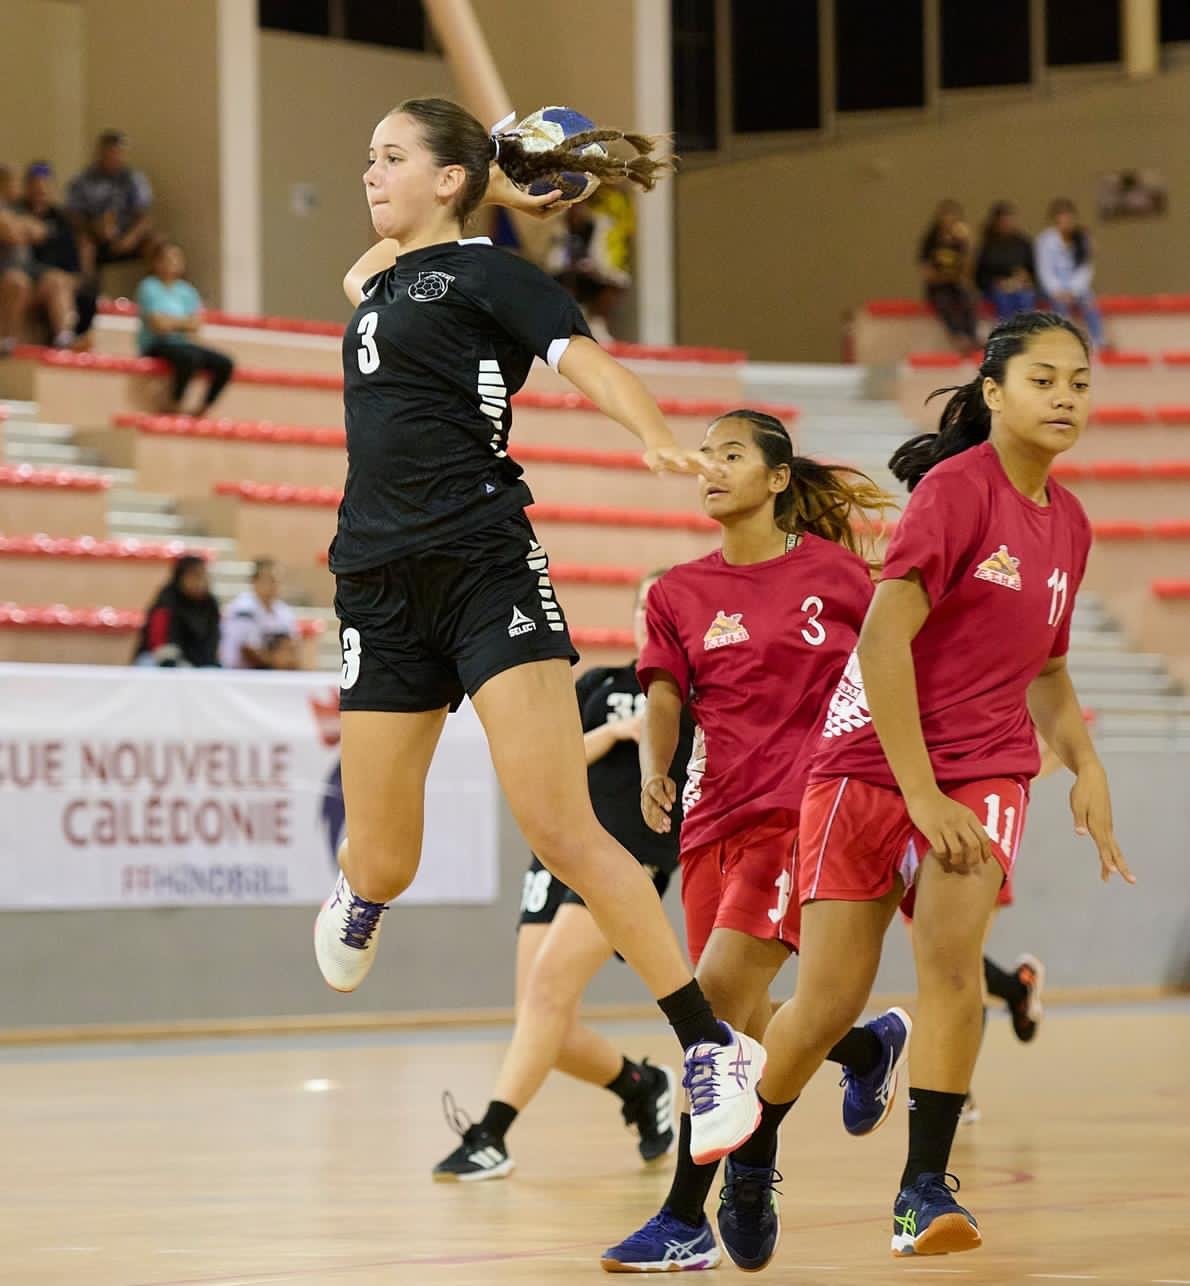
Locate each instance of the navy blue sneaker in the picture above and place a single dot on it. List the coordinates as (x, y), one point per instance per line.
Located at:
(749, 1217)
(666, 1244)
(867, 1100)
(927, 1220)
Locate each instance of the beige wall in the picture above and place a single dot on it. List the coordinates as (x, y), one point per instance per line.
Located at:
(150, 70)
(41, 83)
(577, 54)
(319, 102)
(772, 252)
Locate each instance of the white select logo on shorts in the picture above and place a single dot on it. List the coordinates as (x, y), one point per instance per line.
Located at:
(520, 624)
(430, 285)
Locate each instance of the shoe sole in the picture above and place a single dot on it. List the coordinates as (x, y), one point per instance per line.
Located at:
(671, 1085)
(896, 1074)
(705, 1262)
(1036, 1011)
(705, 1158)
(501, 1171)
(947, 1235)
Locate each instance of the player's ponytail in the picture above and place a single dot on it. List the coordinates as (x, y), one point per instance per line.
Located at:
(642, 168)
(834, 502)
(966, 419)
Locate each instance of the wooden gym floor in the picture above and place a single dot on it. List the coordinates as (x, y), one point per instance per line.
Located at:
(304, 1161)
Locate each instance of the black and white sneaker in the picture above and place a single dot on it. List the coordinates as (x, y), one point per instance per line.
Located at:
(481, 1154)
(651, 1113)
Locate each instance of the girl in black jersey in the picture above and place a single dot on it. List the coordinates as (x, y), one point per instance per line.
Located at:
(560, 948)
(441, 588)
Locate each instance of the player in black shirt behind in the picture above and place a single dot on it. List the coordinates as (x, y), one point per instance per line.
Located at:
(441, 588)
(560, 948)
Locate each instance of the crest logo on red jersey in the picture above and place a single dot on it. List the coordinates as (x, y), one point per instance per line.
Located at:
(727, 627)
(1001, 569)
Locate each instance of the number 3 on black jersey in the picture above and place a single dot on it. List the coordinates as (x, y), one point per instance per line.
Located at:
(367, 356)
(351, 658)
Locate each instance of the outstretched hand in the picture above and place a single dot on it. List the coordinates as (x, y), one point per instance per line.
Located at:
(677, 459)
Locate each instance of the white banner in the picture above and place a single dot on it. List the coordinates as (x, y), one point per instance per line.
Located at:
(139, 787)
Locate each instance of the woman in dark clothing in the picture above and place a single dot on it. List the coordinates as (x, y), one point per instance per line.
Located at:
(1005, 273)
(945, 259)
(182, 624)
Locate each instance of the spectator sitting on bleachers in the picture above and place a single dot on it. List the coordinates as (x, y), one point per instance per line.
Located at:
(593, 259)
(1004, 272)
(15, 287)
(110, 204)
(58, 290)
(182, 623)
(170, 312)
(1065, 267)
(945, 260)
(260, 631)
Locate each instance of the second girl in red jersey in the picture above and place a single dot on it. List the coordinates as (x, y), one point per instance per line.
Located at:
(921, 778)
(753, 639)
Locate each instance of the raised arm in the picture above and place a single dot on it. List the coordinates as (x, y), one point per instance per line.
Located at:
(899, 610)
(658, 745)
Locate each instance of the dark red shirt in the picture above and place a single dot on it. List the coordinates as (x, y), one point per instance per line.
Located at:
(1001, 573)
(756, 650)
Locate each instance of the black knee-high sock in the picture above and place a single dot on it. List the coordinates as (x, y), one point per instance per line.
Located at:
(761, 1148)
(933, 1119)
(1005, 986)
(690, 1016)
(629, 1082)
(498, 1118)
(691, 1183)
(860, 1051)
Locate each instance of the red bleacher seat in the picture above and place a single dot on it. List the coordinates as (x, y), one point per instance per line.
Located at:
(1170, 589)
(41, 545)
(27, 475)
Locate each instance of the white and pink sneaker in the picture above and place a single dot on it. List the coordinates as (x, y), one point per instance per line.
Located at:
(724, 1105)
(345, 936)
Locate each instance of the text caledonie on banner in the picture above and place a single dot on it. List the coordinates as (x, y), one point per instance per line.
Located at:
(139, 787)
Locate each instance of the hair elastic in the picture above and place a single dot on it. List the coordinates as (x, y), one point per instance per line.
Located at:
(494, 133)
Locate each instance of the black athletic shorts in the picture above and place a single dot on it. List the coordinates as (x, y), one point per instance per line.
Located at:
(544, 893)
(423, 630)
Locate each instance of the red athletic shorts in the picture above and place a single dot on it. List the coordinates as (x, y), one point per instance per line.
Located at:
(856, 838)
(744, 881)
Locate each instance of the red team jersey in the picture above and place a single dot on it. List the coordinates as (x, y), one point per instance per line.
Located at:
(756, 650)
(1001, 573)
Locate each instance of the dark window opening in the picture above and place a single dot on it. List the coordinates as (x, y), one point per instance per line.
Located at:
(774, 58)
(985, 44)
(879, 54)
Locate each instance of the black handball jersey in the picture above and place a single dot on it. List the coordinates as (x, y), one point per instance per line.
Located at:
(437, 347)
(605, 695)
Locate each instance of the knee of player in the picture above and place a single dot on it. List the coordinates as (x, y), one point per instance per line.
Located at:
(378, 872)
(548, 992)
(948, 967)
(558, 848)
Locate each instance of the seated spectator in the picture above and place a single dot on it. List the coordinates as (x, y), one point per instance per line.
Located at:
(1004, 272)
(110, 204)
(58, 290)
(260, 632)
(182, 624)
(593, 260)
(945, 259)
(1065, 268)
(15, 286)
(170, 312)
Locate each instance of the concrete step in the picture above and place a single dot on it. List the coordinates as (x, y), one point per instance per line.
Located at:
(36, 431)
(1091, 683)
(59, 455)
(127, 500)
(15, 410)
(145, 524)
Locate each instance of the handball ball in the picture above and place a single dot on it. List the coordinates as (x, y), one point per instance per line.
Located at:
(548, 128)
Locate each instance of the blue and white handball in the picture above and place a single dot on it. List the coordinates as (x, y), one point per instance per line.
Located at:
(550, 127)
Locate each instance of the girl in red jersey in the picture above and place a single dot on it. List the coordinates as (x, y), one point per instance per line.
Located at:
(753, 639)
(920, 778)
